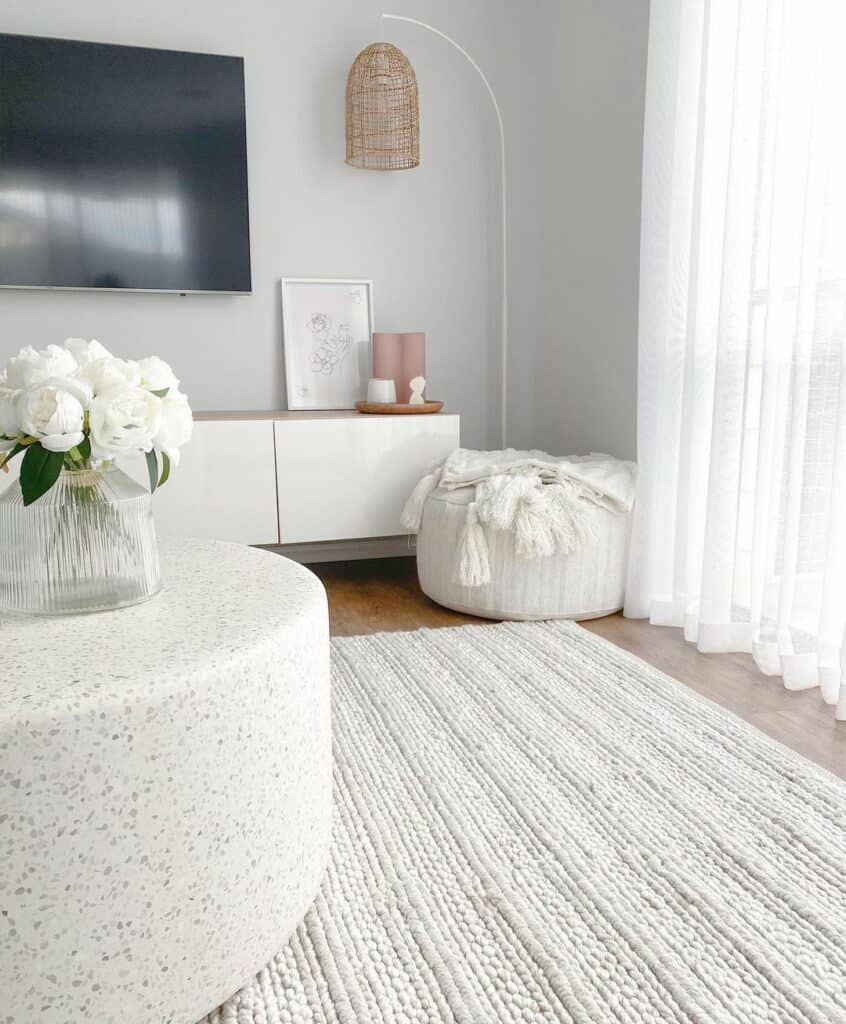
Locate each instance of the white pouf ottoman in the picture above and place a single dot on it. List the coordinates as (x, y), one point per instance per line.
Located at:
(584, 584)
(165, 791)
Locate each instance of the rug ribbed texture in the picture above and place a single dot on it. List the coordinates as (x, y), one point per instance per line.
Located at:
(533, 825)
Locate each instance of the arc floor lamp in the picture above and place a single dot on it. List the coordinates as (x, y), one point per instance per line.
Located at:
(383, 133)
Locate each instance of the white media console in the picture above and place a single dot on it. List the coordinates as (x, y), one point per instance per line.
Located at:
(296, 478)
(299, 479)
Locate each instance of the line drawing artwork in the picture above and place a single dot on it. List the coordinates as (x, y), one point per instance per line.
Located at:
(332, 346)
(327, 324)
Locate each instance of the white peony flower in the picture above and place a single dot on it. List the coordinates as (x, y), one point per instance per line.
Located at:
(79, 387)
(86, 352)
(156, 375)
(9, 422)
(29, 367)
(109, 372)
(52, 415)
(176, 427)
(124, 419)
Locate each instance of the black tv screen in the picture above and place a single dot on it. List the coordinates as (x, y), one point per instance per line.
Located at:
(121, 167)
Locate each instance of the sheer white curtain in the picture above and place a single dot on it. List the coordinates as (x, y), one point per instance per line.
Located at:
(740, 527)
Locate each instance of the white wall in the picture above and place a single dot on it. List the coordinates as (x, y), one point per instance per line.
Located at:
(429, 238)
(569, 75)
(592, 117)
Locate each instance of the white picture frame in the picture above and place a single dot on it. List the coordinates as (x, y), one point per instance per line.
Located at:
(327, 326)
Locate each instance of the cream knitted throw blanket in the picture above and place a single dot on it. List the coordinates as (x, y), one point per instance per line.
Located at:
(546, 502)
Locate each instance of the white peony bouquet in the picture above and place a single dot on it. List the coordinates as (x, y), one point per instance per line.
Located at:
(76, 406)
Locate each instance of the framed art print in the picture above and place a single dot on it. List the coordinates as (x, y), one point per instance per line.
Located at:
(327, 327)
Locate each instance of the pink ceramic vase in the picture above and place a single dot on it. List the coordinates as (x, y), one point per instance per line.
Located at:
(386, 358)
(401, 358)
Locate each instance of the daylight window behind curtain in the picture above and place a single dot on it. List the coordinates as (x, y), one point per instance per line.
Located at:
(740, 529)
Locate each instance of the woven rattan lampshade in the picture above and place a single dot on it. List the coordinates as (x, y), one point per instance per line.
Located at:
(383, 119)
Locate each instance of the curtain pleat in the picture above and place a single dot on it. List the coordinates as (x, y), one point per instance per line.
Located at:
(740, 525)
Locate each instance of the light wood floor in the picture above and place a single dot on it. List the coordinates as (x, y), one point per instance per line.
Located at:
(383, 595)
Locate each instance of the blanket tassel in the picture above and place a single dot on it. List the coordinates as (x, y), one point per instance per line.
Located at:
(412, 514)
(533, 536)
(474, 568)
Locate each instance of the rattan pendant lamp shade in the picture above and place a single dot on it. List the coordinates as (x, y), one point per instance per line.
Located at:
(383, 118)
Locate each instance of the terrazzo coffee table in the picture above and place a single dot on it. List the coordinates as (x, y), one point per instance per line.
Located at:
(165, 791)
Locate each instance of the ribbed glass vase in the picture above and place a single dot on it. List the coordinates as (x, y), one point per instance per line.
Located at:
(87, 545)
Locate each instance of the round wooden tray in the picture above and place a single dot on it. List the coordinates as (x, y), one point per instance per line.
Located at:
(397, 409)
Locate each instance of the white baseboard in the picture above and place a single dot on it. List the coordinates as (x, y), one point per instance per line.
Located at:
(347, 550)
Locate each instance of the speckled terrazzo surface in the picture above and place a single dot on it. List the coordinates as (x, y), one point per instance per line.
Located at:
(218, 600)
(163, 769)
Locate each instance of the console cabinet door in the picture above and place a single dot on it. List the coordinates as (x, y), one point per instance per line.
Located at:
(224, 487)
(349, 477)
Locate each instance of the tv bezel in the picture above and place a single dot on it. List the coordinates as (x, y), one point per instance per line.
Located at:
(152, 291)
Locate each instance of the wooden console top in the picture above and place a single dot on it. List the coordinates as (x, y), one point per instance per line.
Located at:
(282, 414)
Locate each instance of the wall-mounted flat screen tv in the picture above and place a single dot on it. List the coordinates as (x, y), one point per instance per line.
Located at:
(121, 168)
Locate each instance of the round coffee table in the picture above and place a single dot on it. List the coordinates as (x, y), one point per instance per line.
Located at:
(165, 790)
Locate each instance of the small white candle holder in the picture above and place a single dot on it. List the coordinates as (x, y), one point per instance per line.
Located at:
(381, 391)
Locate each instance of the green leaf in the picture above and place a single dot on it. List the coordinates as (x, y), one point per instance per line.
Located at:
(165, 470)
(84, 448)
(161, 393)
(39, 471)
(152, 469)
(7, 458)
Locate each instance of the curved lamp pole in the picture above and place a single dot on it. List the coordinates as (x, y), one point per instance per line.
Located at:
(464, 53)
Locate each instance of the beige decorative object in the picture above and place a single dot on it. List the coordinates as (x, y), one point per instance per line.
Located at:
(383, 120)
(417, 384)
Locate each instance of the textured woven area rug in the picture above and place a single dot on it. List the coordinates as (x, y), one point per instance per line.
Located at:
(533, 825)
